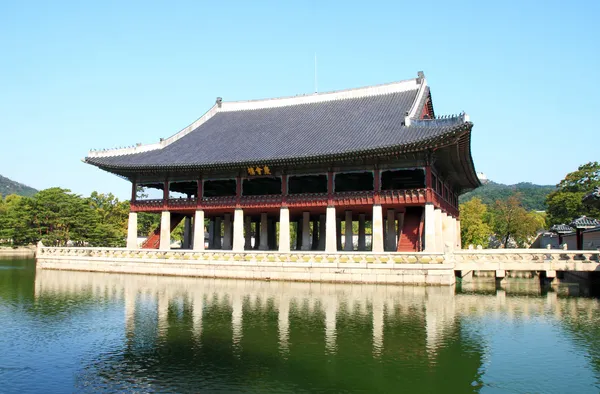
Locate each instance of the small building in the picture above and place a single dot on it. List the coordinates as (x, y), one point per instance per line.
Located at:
(375, 160)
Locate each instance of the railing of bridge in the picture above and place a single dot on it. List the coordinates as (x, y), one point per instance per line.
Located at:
(525, 256)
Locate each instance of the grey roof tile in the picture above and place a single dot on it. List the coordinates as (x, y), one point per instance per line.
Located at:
(293, 131)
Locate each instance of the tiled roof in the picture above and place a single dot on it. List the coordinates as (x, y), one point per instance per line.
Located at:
(561, 228)
(584, 222)
(313, 127)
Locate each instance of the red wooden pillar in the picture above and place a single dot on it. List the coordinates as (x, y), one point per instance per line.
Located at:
(200, 185)
(428, 184)
(133, 191)
(284, 190)
(330, 188)
(238, 191)
(376, 186)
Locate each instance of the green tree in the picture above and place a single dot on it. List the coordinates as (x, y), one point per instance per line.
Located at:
(474, 223)
(511, 221)
(565, 203)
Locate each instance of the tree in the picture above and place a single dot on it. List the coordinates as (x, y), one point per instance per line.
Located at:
(474, 223)
(565, 203)
(511, 221)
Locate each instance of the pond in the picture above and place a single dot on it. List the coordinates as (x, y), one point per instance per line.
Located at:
(94, 332)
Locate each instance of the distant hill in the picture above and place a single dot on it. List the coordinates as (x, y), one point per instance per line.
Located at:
(533, 196)
(11, 187)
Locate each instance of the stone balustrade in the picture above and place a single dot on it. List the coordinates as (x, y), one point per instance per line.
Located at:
(254, 257)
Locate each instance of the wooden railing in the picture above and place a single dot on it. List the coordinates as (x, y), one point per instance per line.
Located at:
(358, 198)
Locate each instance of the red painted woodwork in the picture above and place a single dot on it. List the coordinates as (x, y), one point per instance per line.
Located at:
(153, 241)
(200, 192)
(133, 190)
(343, 199)
(410, 237)
(165, 193)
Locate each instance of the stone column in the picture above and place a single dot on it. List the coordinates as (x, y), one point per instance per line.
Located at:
(390, 235)
(284, 229)
(299, 234)
(315, 235)
(458, 235)
(199, 230)
(165, 230)
(305, 231)
(247, 233)
(330, 231)
(429, 228)
(187, 230)
(227, 231)
(446, 231)
(238, 230)
(338, 233)
(377, 230)
(211, 233)
(132, 231)
(362, 244)
(257, 234)
(322, 231)
(348, 244)
(439, 230)
(217, 233)
(264, 235)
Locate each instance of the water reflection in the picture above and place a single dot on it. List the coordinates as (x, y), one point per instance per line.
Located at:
(152, 333)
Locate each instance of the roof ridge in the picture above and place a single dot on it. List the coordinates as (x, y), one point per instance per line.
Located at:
(353, 93)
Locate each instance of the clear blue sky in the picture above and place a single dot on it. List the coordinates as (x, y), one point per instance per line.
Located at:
(80, 75)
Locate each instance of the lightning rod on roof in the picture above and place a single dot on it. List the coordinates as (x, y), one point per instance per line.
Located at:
(316, 84)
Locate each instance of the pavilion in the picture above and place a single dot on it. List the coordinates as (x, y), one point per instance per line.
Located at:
(246, 172)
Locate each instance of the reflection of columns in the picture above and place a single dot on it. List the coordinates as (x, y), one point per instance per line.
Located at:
(132, 231)
(429, 230)
(283, 324)
(187, 230)
(162, 305)
(130, 298)
(322, 231)
(197, 312)
(165, 230)
(440, 312)
(284, 229)
(264, 235)
(377, 231)
(199, 230)
(377, 326)
(236, 320)
(238, 230)
(227, 231)
(330, 323)
(390, 234)
(217, 233)
(305, 230)
(248, 233)
(348, 244)
(315, 235)
(361, 232)
(330, 233)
